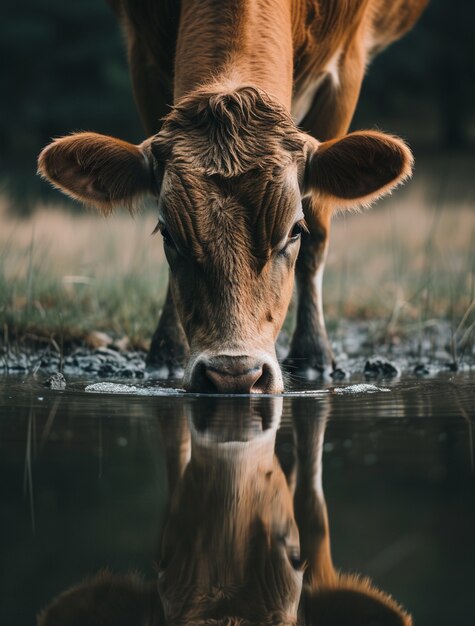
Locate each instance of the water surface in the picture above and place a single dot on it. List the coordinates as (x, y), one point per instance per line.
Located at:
(86, 480)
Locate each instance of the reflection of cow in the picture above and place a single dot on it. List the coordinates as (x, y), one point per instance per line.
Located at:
(229, 549)
(236, 180)
(230, 552)
(330, 598)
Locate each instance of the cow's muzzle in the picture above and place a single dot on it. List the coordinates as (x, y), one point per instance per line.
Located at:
(235, 374)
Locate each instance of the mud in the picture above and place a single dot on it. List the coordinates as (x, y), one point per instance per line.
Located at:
(358, 348)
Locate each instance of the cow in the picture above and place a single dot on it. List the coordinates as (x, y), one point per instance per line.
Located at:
(247, 104)
(242, 542)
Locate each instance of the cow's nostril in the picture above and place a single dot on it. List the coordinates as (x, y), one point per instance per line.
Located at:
(264, 383)
(212, 382)
(200, 380)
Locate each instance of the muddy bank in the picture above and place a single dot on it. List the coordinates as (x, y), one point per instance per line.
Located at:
(93, 363)
(358, 349)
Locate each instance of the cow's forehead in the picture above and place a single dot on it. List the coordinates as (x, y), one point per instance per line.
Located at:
(229, 133)
(254, 210)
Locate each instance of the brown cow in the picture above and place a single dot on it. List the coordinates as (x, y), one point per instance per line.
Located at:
(236, 179)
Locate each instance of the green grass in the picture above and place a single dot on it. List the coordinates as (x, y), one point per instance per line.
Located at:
(47, 295)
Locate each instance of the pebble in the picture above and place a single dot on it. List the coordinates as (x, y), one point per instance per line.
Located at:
(339, 374)
(381, 368)
(452, 366)
(97, 339)
(56, 382)
(421, 369)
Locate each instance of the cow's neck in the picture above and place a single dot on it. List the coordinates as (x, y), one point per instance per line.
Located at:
(235, 42)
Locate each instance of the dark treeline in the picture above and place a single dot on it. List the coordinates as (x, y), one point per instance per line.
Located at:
(65, 69)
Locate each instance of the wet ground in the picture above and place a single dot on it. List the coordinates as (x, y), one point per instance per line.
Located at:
(424, 351)
(86, 477)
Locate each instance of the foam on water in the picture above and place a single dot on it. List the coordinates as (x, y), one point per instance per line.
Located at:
(116, 388)
(140, 391)
(361, 388)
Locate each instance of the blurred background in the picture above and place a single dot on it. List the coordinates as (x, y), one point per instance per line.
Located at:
(66, 70)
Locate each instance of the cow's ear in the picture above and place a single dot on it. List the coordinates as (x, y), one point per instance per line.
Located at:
(353, 601)
(357, 169)
(106, 599)
(100, 171)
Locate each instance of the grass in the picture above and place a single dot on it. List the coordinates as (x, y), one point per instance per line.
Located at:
(63, 275)
(405, 264)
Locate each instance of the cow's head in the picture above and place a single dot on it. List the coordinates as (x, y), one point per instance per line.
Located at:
(229, 170)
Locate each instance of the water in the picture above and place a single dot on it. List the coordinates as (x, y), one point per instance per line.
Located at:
(86, 478)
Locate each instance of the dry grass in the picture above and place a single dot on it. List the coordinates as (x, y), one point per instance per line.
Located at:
(406, 251)
(408, 261)
(68, 273)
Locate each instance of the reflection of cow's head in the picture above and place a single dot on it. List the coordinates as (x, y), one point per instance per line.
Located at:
(230, 547)
(229, 169)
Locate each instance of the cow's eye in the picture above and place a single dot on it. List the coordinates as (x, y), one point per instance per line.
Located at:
(295, 560)
(294, 235)
(167, 239)
(296, 231)
(293, 553)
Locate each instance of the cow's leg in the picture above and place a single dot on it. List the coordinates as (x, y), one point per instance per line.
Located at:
(310, 349)
(328, 596)
(309, 501)
(169, 347)
(176, 444)
(153, 95)
(329, 117)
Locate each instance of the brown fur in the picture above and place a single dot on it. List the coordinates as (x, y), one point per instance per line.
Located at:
(355, 601)
(105, 599)
(361, 167)
(97, 170)
(216, 132)
(230, 166)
